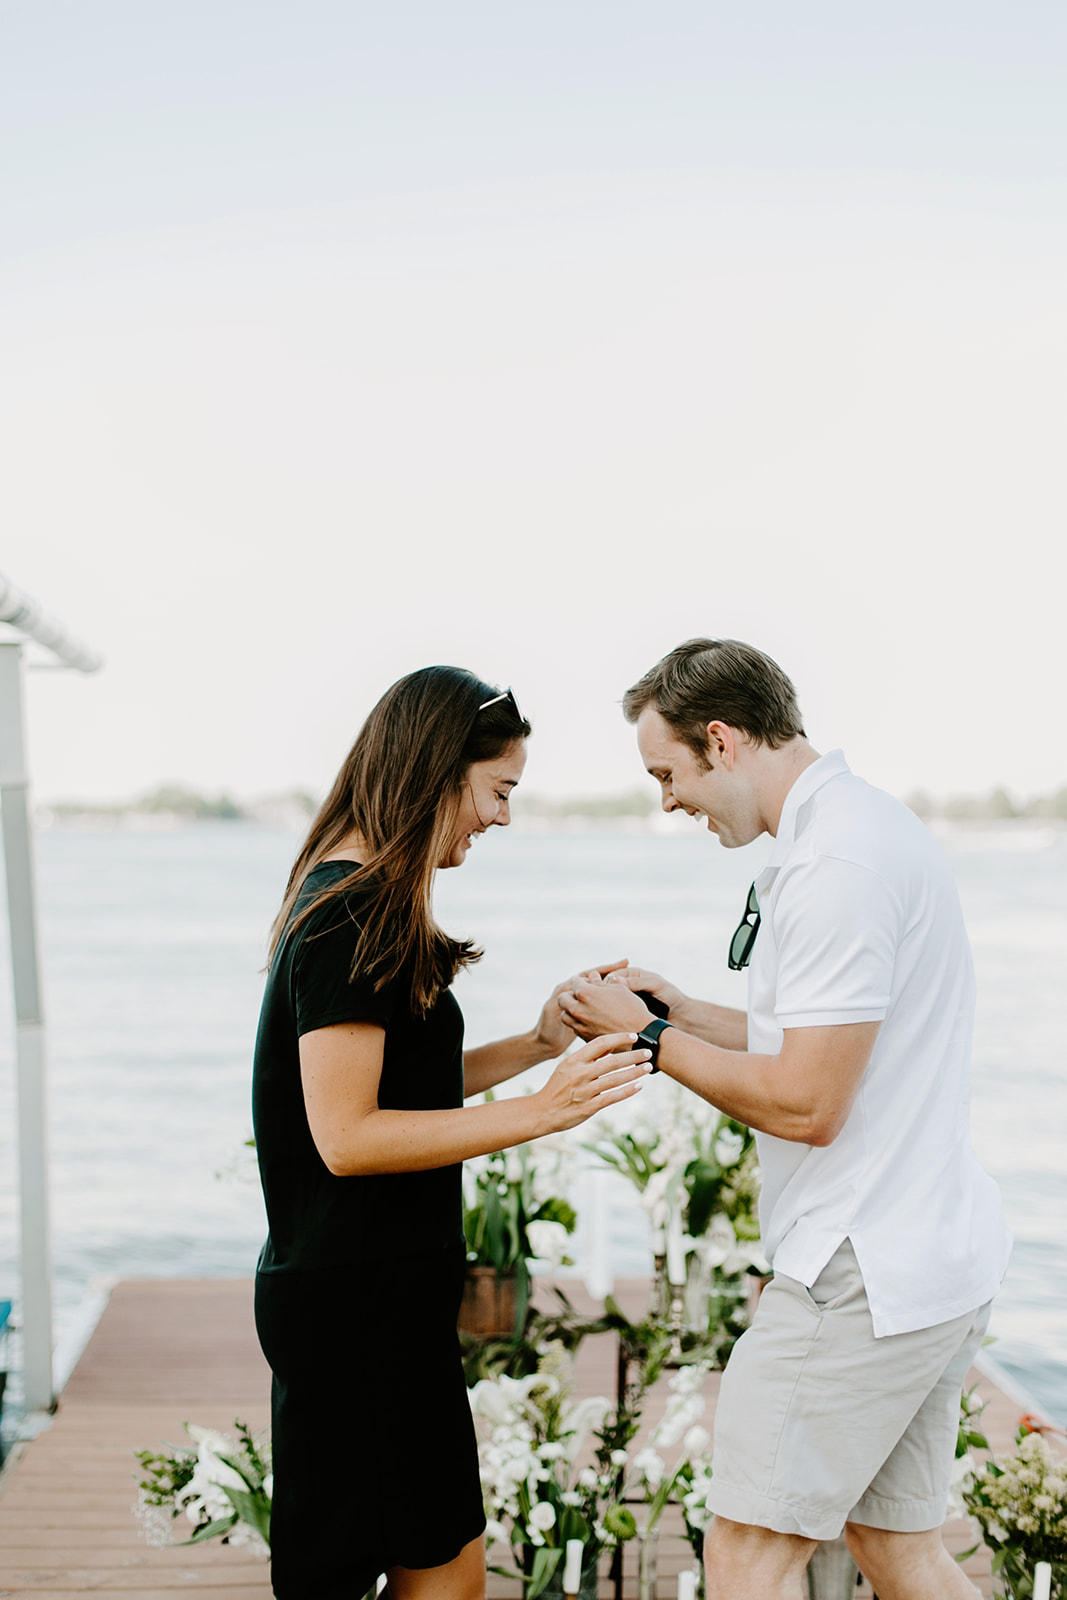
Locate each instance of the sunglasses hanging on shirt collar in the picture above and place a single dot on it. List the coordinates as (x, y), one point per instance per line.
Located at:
(745, 936)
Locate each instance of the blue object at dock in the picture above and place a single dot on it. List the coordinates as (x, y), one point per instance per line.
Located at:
(5, 1313)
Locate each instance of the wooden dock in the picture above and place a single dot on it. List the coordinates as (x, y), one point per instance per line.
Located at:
(169, 1351)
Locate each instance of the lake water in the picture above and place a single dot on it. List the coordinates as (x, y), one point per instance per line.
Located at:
(153, 945)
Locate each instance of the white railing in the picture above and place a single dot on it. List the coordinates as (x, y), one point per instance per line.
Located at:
(27, 620)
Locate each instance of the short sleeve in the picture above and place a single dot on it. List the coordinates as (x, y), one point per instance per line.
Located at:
(837, 928)
(324, 992)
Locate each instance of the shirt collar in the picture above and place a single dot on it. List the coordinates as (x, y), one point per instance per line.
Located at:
(810, 781)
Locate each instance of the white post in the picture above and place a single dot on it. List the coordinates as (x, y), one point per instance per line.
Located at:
(29, 1026)
(599, 1277)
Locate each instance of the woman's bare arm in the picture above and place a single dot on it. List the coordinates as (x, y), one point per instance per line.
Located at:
(489, 1064)
(340, 1069)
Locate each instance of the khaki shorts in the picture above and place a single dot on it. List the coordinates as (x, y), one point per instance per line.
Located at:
(819, 1423)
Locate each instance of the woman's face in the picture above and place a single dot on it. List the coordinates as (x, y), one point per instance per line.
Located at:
(485, 799)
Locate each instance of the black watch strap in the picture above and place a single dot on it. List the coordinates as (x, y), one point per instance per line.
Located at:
(649, 1037)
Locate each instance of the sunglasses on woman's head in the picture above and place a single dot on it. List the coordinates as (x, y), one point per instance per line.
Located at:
(509, 696)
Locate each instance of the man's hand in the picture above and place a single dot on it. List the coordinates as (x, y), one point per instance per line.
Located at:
(607, 1006)
(640, 980)
(553, 1034)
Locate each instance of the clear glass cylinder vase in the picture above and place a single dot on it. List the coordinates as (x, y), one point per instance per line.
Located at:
(832, 1573)
(647, 1563)
(587, 1587)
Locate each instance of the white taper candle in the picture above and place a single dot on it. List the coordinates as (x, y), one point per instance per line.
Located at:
(675, 1251)
(1042, 1581)
(572, 1567)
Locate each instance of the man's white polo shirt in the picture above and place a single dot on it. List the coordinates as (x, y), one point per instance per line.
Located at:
(860, 922)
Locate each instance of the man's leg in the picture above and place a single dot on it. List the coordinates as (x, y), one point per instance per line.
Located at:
(755, 1562)
(907, 1566)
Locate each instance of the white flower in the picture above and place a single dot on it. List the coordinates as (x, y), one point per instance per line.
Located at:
(551, 1450)
(548, 1241)
(650, 1464)
(268, 1486)
(696, 1443)
(212, 1440)
(587, 1478)
(964, 1471)
(205, 1493)
(686, 1405)
(571, 1497)
(728, 1146)
(246, 1538)
(618, 1458)
(719, 1241)
(495, 1532)
(543, 1516)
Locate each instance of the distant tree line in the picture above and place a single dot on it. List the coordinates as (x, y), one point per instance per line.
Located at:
(175, 800)
(996, 806)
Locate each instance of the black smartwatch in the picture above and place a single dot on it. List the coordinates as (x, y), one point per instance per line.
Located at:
(650, 1036)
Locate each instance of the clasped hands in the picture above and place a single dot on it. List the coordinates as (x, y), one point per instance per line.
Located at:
(604, 999)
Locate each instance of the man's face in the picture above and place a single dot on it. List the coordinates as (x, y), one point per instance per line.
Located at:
(719, 793)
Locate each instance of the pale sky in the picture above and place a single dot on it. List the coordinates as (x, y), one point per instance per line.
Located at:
(342, 338)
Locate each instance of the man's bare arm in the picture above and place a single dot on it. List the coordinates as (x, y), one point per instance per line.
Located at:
(720, 1025)
(804, 1093)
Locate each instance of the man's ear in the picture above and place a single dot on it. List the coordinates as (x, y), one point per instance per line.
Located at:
(722, 743)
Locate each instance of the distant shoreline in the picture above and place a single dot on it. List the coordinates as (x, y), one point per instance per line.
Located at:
(174, 806)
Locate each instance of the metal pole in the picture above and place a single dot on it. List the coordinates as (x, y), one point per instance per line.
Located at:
(29, 1023)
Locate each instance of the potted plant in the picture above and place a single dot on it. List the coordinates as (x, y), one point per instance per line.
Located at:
(512, 1214)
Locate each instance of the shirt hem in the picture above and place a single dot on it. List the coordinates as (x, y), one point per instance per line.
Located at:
(929, 1316)
(330, 1019)
(830, 1019)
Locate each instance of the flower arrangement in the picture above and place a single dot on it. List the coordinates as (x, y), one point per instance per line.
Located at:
(513, 1212)
(687, 1483)
(1020, 1504)
(692, 1165)
(221, 1485)
(531, 1432)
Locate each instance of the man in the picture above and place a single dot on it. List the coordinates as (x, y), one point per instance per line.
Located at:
(839, 1406)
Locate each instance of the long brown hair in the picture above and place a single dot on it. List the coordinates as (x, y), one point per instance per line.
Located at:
(400, 788)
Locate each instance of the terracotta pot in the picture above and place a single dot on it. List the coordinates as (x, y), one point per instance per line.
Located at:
(488, 1306)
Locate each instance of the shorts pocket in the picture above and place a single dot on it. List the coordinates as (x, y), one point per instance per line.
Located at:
(796, 1291)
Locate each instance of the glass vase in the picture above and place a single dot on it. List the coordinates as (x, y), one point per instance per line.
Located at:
(587, 1588)
(647, 1563)
(832, 1572)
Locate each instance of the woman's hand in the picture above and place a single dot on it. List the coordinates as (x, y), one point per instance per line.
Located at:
(602, 1072)
(553, 1035)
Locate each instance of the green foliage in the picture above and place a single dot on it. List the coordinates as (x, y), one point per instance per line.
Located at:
(969, 1435)
(1020, 1503)
(184, 1481)
(165, 1476)
(500, 1204)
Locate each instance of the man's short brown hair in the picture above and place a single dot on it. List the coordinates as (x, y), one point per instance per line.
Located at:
(718, 680)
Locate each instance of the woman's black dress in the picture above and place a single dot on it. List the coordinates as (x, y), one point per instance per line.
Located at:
(357, 1290)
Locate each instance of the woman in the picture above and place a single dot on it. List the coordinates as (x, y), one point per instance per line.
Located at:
(361, 1130)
